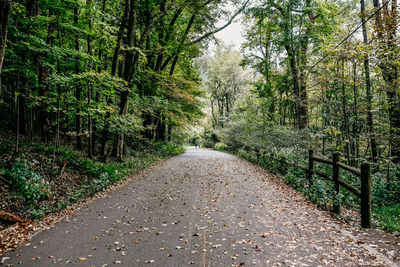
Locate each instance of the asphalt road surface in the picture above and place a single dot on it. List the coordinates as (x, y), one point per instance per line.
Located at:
(204, 208)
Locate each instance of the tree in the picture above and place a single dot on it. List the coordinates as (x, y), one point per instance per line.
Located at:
(120, 71)
(296, 26)
(368, 85)
(225, 82)
(386, 28)
(5, 6)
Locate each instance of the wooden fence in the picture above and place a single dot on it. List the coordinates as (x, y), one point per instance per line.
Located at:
(364, 193)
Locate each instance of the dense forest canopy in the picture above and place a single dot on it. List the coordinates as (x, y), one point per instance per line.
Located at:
(104, 74)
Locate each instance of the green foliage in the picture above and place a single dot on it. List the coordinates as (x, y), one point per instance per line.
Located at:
(220, 147)
(165, 150)
(82, 177)
(225, 81)
(210, 138)
(98, 184)
(388, 217)
(37, 213)
(173, 149)
(62, 69)
(112, 172)
(28, 182)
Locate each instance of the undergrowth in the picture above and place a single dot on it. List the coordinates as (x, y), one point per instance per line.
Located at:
(386, 210)
(44, 179)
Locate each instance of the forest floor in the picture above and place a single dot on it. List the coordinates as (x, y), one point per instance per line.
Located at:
(204, 208)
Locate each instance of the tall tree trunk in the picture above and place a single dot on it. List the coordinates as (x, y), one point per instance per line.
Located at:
(296, 84)
(5, 6)
(129, 67)
(97, 98)
(32, 10)
(345, 126)
(113, 73)
(90, 90)
(368, 88)
(175, 57)
(160, 131)
(214, 117)
(355, 114)
(17, 122)
(386, 26)
(303, 61)
(78, 89)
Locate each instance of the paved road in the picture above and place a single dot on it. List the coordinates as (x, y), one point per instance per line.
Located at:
(203, 208)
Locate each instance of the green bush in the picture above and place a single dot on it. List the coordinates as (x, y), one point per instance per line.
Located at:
(210, 138)
(220, 147)
(28, 182)
(31, 188)
(98, 184)
(173, 149)
(388, 217)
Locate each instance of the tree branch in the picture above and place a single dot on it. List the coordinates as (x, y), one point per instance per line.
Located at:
(199, 39)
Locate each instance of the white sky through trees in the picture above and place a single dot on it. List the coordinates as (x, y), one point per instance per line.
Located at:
(231, 34)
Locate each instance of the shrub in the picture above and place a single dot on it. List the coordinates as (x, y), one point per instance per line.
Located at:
(28, 182)
(210, 138)
(172, 149)
(388, 217)
(220, 147)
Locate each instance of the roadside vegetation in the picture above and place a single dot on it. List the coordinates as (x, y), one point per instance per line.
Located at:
(306, 80)
(45, 179)
(92, 91)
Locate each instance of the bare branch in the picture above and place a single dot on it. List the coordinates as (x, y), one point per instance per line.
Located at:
(199, 39)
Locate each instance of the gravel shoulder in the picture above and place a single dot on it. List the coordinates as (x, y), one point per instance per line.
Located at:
(205, 208)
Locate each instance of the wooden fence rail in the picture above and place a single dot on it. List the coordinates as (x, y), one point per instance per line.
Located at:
(364, 193)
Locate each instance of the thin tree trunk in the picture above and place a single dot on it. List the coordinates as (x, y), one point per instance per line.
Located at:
(295, 78)
(16, 125)
(5, 6)
(113, 73)
(57, 139)
(129, 67)
(169, 132)
(175, 57)
(78, 89)
(355, 111)
(344, 110)
(99, 69)
(368, 87)
(90, 90)
(386, 25)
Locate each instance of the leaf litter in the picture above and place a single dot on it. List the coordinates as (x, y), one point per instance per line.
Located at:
(216, 209)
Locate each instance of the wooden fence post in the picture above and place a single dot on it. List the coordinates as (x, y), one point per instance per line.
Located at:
(366, 203)
(310, 166)
(336, 177)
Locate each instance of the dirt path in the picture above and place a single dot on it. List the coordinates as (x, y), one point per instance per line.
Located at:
(205, 208)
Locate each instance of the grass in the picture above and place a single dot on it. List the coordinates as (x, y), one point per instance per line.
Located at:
(388, 217)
